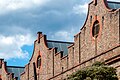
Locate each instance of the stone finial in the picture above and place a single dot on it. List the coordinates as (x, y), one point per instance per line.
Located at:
(12, 75)
(1, 60)
(5, 63)
(95, 2)
(16, 78)
(39, 36)
(39, 32)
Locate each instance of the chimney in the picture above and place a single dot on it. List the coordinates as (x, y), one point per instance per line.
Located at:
(39, 36)
(1, 60)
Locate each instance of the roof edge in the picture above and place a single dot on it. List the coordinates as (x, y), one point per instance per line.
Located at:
(60, 41)
(16, 66)
(114, 2)
(107, 6)
(33, 50)
(87, 15)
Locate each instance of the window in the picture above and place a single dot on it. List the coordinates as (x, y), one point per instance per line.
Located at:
(95, 29)
(62, 69)
(39, 62)
(90, 20)
(0, 77)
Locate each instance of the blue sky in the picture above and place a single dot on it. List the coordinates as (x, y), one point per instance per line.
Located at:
(20, 20)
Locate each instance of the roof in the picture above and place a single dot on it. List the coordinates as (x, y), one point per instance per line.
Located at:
(16, 70)
(60, 45)
(113, 5)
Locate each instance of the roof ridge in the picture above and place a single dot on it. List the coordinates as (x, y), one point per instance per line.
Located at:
(16, 66)
(60, 41)
(113, 2)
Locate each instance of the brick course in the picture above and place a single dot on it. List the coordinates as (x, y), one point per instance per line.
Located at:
(85, 50)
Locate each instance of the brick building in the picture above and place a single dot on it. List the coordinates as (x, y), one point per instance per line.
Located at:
(9, 72)
(98, 40)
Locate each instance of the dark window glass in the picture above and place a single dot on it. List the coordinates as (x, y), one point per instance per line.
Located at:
(95, 29)
(39, 62)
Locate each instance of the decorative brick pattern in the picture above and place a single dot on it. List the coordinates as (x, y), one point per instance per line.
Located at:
(85, 50)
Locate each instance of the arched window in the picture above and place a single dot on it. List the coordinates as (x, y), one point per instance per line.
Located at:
(95, 29)
(39, 62)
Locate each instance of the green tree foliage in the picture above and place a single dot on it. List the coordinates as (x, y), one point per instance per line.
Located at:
(98, 71)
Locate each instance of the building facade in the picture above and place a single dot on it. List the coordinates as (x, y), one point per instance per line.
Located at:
(9, 72)
(98, 40)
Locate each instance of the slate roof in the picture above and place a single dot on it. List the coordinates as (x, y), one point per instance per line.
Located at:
(61, 46)
(16, 70)
(113, 5)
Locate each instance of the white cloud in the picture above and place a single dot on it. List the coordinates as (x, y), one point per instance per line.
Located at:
(81, 9)
(10, 46)
(8, 5)
(40, 2)
(65, 35)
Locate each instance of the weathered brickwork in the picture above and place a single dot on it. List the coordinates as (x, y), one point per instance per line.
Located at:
(4, 74)
(85, 50)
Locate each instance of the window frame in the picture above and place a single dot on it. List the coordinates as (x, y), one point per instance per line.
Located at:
(96, 29)
(39, 62)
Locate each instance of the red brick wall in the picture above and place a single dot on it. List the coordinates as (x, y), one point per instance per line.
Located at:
(84, 51)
